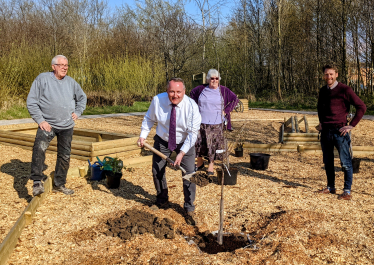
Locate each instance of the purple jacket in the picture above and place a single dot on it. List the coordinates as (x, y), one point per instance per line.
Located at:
(229, 98)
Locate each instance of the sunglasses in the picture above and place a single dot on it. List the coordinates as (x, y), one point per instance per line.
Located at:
(214, 78)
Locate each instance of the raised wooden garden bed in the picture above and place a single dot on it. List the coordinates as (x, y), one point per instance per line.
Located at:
(86, 144)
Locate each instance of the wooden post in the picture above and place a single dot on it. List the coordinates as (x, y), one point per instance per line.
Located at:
(82, 171)
(28, 218)
(297, 124)
(306, 124)
(292, 124)
(11, 240)
(282, 133)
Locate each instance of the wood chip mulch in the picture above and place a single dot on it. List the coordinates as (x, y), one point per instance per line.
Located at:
(285, 220)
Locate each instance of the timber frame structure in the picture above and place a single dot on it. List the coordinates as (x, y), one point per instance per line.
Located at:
(86, 144)
(302, 142)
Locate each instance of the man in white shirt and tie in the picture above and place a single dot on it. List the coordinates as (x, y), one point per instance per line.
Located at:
(178, 122)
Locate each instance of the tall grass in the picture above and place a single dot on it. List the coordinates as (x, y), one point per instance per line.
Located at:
(135, 77)
(18, 69)
(131, 76)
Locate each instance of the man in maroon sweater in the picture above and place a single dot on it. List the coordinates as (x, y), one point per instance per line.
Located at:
(334, 103)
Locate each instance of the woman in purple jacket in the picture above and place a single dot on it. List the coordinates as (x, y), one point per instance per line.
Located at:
(215, 104)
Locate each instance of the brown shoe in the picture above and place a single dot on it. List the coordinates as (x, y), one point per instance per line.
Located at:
(326, 191)
(345, 196)
(190, 218)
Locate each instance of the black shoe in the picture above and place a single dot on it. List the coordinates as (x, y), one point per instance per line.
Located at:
(62, 189)
(163, 205)
(157, 206)
(191, 218)
(37, 188)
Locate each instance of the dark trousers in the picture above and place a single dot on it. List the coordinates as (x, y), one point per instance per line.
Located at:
(329, 139)
(42, 140)
(158, 171)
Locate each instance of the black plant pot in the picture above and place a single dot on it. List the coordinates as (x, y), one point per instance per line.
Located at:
(113, 180)
(239, 152)
(259, 161)
(227, 179)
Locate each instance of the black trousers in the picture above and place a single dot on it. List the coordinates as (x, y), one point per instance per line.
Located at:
(158, 171)
(42, 140)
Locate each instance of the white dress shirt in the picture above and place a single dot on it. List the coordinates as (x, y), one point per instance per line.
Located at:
(188, 120)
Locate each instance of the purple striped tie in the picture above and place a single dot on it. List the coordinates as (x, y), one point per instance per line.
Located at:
(173, 129)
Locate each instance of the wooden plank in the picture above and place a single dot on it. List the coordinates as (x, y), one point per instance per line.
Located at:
(79, 132)
(85, 139)
(287, 122)
(31, 138)
(114, 143)
(84, 158)
(304, 139)
(276, 146)
(11, 240)
(357, 153)
(250, 145)
(355, 148)
(51, 147)
(104, 134)
(28, 127)
(108, 137)
(125, 154)
(301, 142)
(233, 120)
(115, 150)
(270, 150)
(301, 135)
(138, 160)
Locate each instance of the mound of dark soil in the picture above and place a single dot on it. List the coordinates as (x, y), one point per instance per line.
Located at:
(201, 179)
(138, 222)
(207, 242)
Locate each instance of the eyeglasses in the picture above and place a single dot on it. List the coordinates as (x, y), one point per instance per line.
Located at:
(62, 65)
(214, 78)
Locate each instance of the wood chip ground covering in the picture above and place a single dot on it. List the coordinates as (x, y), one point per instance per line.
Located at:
(278, 209)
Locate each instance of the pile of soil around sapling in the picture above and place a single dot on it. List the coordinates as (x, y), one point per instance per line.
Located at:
(201, 179)
(207, 242)
(135, 222)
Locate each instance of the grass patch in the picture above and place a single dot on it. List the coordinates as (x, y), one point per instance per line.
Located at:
(299, 106)
(15, 112)
(137, 107)
(19, 112)
(281, 106)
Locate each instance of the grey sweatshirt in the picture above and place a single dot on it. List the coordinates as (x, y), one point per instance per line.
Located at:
(54, 100)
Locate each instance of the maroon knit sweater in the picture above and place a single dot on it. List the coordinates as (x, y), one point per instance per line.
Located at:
(334, 104)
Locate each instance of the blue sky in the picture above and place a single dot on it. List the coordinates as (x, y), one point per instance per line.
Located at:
(225, 9)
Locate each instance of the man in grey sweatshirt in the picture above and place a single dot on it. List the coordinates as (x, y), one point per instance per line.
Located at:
(55, 102)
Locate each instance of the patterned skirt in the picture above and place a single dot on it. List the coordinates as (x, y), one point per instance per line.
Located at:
(210, 139)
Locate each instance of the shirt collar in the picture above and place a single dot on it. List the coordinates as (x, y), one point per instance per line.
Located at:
(333, 85)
